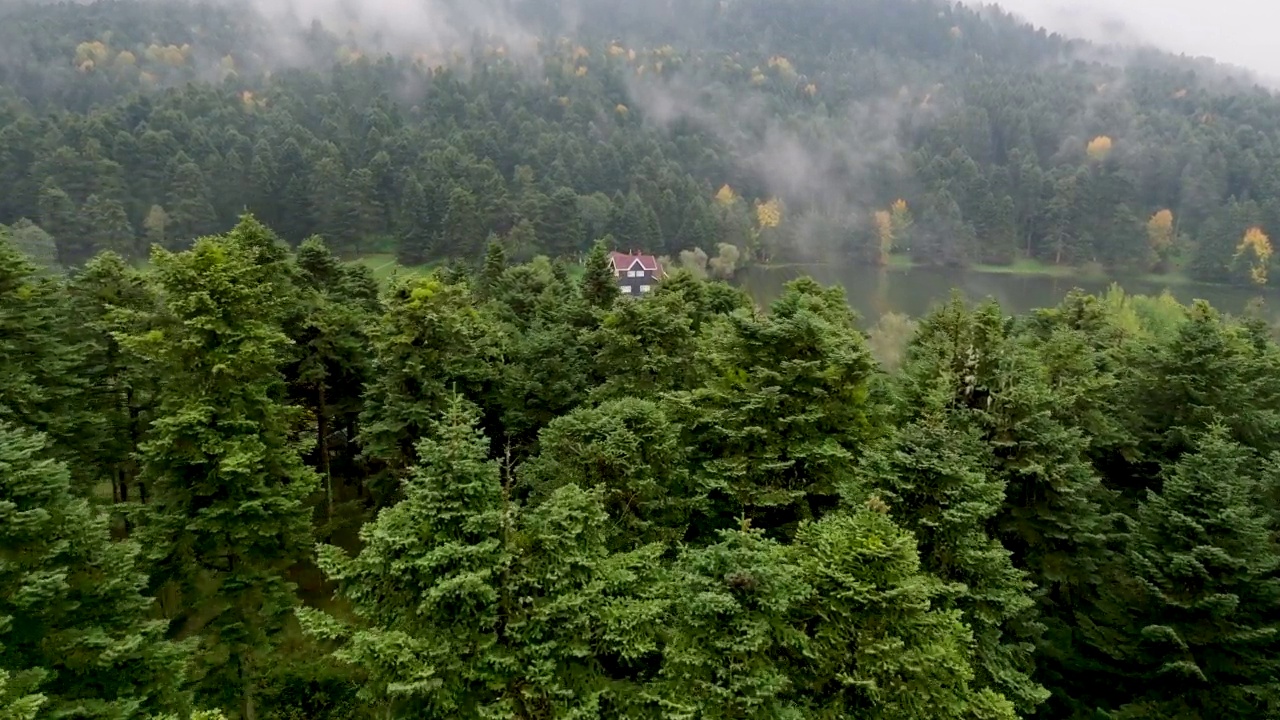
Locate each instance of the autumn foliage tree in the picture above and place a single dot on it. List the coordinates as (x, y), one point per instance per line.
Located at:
(1254, 252)
(1160, 235)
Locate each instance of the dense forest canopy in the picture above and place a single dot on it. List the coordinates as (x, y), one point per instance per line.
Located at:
(787, 129)
(244, 477)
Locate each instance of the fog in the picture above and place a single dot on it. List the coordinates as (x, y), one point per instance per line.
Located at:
(1238, 32)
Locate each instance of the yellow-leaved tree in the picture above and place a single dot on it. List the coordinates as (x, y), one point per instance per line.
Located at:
(1099, 148)
(726, 196)
(1255, 249)
(892, 227)
(883, 220)
(95, 53)
(769, 213)
(1160, 237)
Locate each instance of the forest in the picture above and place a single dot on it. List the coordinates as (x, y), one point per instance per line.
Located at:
(867, 131)
(243, 477)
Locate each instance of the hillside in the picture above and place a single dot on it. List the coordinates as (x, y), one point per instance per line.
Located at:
(250, 471)
(127, 123)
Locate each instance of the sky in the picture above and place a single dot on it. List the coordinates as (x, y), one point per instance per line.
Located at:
(1239, 32)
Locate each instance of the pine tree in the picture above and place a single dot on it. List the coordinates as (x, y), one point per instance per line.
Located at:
(41, 384)
(107, 227)
(226, 515)
(191, 213)
(599, 287)
(15, 702)
(495, 264)
(559, 226)
(936, 474)
(329, 364)
(32, 241)
(629, 449)
(1193, 626)
(58, 216)
(72, 609)
(432, 341)
(729, 626)
(111, 298)
(877, 648)
(464, 228)
(784, 410)
(417, 239)
(472, 608)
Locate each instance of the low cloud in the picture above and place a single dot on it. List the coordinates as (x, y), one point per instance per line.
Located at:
(1236, 32)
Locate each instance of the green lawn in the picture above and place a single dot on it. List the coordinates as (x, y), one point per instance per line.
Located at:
(385, 267)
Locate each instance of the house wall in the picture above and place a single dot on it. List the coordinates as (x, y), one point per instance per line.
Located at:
(636, 284)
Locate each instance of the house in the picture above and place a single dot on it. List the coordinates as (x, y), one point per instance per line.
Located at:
(636, 274)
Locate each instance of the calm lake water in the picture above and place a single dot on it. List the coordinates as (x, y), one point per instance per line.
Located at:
(873, 292)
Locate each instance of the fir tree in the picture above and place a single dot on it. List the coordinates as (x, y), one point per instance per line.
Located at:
(417, 239)
(432, 341)
(784, 410)
(495, 264)
(877, 648)
(226, 516)
(72, 610)
(731, 625)
(1194, 627)
(41, 362)
(936, 475)
(107, 227)
(599, 287)
(470, 607)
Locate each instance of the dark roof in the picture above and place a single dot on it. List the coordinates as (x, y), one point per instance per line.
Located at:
(623, 261)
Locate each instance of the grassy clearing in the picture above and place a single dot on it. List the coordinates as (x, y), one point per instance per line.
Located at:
(385, 267)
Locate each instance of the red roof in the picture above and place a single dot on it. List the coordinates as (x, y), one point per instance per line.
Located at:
(624, 261)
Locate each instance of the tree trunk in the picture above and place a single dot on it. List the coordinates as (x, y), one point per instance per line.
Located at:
(322, 428)
(248, 711)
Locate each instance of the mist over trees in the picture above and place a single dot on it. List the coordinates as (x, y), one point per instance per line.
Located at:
(243, 477)
(783, 129)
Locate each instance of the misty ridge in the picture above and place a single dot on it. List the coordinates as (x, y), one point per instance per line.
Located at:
(834, 110)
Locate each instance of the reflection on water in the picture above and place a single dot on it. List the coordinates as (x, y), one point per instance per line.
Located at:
(874, 292)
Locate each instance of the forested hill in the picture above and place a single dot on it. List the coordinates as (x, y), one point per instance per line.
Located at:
(243, 479)
(788, 129)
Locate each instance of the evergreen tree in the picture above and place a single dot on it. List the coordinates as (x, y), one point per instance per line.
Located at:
(495, 264)
(111, 299)
(72, 611)
(32, 241)
(472, 608)
(876, 647)
(107, 227)
(329, 366)
(936, 475)
(559, 226)
(41, 386)
(632, 451)
(191, 213)
(417, 241)
(58, 216)
(226, 516)
(599, 286)
(432, 341)
(14, 703)
(464, 229)
(1193, 626)
(731, 626)
(785, 408)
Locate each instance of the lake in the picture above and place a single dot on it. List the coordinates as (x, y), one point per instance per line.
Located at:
(874, 291)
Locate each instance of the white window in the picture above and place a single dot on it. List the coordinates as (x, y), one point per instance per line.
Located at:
(626, 289)
(635, 273)
(644, 288)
